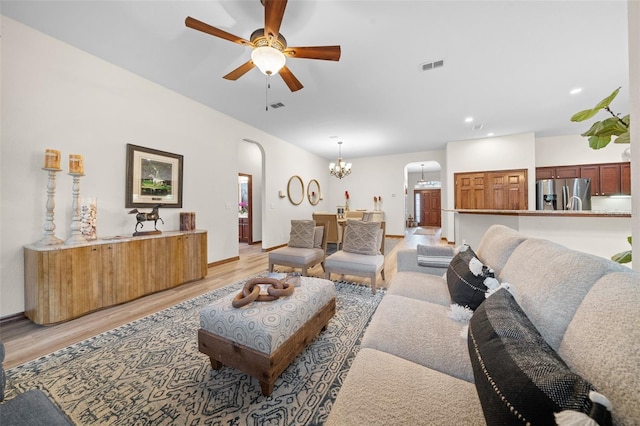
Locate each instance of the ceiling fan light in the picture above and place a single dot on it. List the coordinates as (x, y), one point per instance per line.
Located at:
(268, 59)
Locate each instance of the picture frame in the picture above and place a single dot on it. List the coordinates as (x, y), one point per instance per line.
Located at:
(153, 177)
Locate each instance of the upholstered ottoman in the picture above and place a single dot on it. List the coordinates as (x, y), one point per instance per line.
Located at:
(262, 338)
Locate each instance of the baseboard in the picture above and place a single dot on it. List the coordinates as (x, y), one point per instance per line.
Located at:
(273, 248)
(20, 316)
(223, 261)
(394, 236)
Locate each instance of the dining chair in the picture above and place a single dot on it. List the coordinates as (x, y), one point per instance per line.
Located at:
(334, 229)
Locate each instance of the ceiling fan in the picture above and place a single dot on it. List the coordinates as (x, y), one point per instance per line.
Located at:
(269, 46)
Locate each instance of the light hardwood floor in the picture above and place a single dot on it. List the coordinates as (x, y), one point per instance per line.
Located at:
(25, 341)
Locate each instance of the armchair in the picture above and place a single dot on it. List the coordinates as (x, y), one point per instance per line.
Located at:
(362, 252)
(304, 257)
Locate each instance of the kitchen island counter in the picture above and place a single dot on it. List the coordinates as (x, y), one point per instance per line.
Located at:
(602, 233)
(549, 213)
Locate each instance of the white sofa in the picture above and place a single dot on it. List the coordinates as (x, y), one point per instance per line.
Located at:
(414, 365)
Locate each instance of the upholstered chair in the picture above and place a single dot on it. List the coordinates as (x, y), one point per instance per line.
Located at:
(362, 252)
(306, 248)
(334, 229)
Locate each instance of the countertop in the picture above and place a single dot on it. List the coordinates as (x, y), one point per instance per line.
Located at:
(549, 213)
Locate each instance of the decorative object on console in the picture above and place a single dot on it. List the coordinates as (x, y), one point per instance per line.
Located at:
(340, 169)
(76, 171)
(520, 379)
(269, 46)
(52, 166)
(187, 221)
(141, 217)
(89, 218)
(153, 177)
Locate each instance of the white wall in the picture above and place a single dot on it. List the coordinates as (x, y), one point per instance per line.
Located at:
(574, 149)
(56, 96)
(379, 176)
(633, 8)
(496, 153)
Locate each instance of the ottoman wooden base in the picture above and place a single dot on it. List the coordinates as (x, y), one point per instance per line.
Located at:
(264, 367)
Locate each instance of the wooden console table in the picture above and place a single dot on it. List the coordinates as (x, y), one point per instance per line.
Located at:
(65, 282)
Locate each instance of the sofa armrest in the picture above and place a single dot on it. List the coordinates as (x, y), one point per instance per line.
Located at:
(408, 261)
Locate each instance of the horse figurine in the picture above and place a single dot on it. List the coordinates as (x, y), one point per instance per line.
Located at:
(143, 217)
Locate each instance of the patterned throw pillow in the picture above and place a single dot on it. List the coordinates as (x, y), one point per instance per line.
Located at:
(519, 378)
(362, 237)
(465, 279)
(302, 233)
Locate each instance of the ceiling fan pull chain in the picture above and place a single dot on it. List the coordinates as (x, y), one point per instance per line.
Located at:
(266, 93)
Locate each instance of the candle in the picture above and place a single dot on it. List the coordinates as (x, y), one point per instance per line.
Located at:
(52, 159)
(76, 165)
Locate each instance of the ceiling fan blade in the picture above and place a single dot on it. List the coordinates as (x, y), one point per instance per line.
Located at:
(206, 28)
(273, 14)
(290, 79)
(240, 71)
(328, 53)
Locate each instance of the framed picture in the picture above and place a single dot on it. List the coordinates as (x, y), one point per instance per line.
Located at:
(153, 177)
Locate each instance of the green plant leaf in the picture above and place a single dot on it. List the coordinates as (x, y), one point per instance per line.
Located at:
(584, 115)
(594, 130)
(612, 126)
(626, 119)
(598, 142)
(606, 101)
(629, 239)
(622, 257)
(623, 138)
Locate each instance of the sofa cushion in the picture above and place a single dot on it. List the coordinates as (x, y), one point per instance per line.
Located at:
(519, 377)
(420, 332)
(382, 389)
(465, 278)
(420, 286)
(362, 237)
(497, 244)
(302, 233)
(602, 342)
(550, 281)
(434, 256)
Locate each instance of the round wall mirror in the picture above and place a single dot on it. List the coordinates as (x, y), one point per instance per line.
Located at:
(313, 192)
(295, 190)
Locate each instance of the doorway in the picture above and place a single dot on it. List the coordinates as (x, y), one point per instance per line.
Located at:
(245, 208)
(427, 207)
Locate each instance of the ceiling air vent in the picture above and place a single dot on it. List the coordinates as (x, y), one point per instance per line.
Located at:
(477, 127)
(277, 105)
(432, 65)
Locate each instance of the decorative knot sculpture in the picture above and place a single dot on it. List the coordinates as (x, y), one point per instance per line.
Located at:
(251, 291)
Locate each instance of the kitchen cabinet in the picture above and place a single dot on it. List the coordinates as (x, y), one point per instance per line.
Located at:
(625, 178)
(65, 282)
(559, 172)
(606, 178)
(501, 190)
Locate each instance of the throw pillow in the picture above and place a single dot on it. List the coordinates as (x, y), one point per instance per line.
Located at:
(518, 376)
(434, 256)
(302, 233)
(361, 237)
(465, 279)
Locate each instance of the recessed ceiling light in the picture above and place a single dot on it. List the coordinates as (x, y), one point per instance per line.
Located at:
(490, 134)
(576, 91)
(468, 119)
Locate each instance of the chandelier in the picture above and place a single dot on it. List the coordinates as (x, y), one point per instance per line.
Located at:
(340, 169)
(422, 181)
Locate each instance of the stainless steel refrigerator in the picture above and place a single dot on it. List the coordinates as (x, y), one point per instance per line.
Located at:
(563, 194)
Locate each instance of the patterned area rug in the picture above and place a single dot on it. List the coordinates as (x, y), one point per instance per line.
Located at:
(150, 372)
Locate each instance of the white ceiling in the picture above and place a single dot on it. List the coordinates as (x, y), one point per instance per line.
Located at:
(508, 64)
